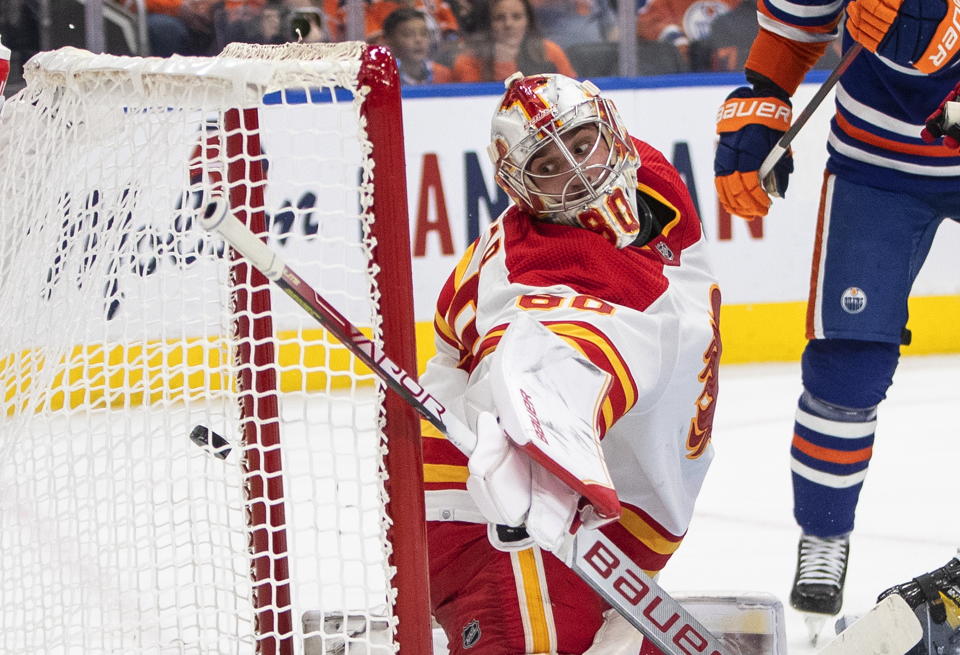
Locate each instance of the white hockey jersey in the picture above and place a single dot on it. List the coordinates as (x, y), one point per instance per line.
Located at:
(648, 315)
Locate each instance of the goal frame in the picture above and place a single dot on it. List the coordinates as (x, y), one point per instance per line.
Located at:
(382, 111)
(259, 516)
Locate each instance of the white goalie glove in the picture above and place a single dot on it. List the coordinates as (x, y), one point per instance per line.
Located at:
(541, 465)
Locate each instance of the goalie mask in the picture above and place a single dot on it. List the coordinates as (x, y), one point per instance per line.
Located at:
(562, 154)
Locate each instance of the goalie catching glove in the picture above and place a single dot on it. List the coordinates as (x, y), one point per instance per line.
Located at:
(541, 464)
(750, 122)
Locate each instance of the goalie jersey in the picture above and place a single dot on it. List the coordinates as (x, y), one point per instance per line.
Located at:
(646, 314)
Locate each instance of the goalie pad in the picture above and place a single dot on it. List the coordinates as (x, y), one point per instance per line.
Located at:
(548, 396)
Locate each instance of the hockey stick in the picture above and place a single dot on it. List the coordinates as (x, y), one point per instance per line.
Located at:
(766, 168)
(592, 556)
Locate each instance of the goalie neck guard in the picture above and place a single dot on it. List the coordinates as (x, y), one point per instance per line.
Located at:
(562, 154)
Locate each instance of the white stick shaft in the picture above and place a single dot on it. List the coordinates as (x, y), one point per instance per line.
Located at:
(219, 219)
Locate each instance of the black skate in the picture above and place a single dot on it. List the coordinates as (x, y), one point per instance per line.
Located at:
(818, 584)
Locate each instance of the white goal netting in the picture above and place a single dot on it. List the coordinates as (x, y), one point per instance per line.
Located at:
(188, 464)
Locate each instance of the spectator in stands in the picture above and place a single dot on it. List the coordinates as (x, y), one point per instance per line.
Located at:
(466, 14)
(680, 22)
(180, 27)
(20, 28)
(306, 22)
(507, 40)
(280, 21)
(571, 22)
(405, 32)
(264, 26)
(441, 21)
(728, 40)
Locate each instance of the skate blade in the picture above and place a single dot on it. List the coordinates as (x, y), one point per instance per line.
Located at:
(814, 623)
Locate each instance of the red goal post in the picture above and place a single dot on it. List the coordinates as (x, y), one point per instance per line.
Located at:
(299, 525)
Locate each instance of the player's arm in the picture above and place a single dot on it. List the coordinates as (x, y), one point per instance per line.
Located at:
(754, 117)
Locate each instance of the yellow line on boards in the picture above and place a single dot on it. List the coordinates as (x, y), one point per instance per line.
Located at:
(112, 375)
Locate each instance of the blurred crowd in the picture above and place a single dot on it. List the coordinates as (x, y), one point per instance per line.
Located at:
(438, 41)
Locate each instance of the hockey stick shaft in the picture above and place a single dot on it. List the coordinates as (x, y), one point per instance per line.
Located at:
(766, 168)
(593, 557)
(268, 262)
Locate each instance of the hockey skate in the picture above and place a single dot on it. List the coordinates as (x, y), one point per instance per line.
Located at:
(818, 583)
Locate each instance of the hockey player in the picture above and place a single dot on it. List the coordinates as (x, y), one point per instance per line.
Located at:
(601, 250)
(884, 194)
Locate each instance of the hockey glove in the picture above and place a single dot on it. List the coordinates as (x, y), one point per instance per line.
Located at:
(542, 464)
(513, 489)
(750, 122)
(917, 33)
(945, 121)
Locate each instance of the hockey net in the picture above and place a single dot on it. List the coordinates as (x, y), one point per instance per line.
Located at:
(188, 464)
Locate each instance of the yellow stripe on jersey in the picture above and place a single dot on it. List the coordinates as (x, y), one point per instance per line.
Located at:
(462, 265)
(650, 191)
(616, 362)
(487, 344)
(444, 328)
(428, 431)
(540, 633)
(643, 531)
(445, 473)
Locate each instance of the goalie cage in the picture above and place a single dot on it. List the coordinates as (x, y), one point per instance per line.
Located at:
(187, 463)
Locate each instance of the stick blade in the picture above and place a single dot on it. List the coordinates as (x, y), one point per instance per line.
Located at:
(889, 628)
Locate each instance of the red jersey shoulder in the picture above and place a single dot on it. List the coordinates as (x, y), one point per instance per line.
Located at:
(663, 178)
(542, 254)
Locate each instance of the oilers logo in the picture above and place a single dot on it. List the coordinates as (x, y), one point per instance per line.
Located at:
(853, 300)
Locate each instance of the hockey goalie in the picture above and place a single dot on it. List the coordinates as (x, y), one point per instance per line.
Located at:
(578, 336)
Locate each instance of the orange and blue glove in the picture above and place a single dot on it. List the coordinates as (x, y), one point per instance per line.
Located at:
(917, 33)
(940, 126)
(750, 122)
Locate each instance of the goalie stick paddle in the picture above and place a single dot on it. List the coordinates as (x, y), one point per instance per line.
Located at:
(767, 179)
(592, 556)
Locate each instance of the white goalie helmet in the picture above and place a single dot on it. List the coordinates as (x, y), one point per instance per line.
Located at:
(563, 155)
